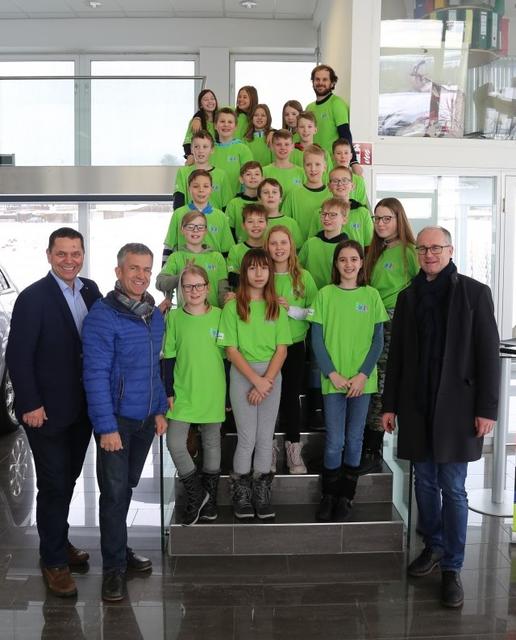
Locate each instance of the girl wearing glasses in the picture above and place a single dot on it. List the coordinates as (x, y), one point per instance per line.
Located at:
(390, 265)
(255, 331)
(347, 338)
(194, 228)
(191, 357)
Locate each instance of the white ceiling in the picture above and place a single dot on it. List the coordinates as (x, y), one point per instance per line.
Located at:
(265, 9)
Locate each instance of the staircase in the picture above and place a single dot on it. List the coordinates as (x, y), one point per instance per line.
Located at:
(374, 525)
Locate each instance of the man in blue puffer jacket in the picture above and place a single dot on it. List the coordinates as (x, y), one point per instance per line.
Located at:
(122, 339)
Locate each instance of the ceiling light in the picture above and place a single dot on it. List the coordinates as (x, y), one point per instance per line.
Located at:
(248, 4)
(94, 4)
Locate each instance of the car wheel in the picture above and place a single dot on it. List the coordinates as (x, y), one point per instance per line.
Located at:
(8, 421)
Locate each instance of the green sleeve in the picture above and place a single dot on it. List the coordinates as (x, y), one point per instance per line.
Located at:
(358, 192)
(188, 134)
(169, 347)
(303, 255)
(315, 226)
(226, 237)
(171, 239)
(228, 334)
(412, 261)
(232, 260)
(380, 314)
(181, 182)
(315, 312)
(226, 193)
(222, 271)
(287, 206)
(246, 155)
(297, 236)
(368, 226)
(310, 288)
(171, 265)
(283, 335)
(340, 112)
(230, 213)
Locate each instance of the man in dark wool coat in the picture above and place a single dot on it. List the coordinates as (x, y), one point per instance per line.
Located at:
(442, 387)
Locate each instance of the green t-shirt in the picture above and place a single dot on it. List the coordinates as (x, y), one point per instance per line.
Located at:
(348, 318)
(218, 236)
(234, 214)
(235, 256)
(260, 150)
(221, 193)
(210, 127)
(285, 288)
(317, 257)
(230, 156)
(291, 225)
(256, 339)
(242, 125)
(288, 178)
(199, 378)
(303, 205)
(390, 276)
(330, 113)
(211, 261)
(359, 191)
(359, 226)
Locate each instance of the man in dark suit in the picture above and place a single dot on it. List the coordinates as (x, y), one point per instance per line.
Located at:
(44, 356)
(442, 384)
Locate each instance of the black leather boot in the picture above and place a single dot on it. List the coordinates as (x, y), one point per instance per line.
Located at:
(210, 483)
(330, 491)
(196, 497)
(348, 486)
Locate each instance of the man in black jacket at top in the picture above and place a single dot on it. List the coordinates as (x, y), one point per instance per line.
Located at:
(442, 386)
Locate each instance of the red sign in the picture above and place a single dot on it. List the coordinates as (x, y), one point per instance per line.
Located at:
(364, 152)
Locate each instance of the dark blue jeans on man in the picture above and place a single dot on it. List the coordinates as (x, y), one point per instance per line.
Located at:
(118, 472)
(442, 504)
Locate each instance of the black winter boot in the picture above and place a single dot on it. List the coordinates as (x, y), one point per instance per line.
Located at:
(196, 498)
(372, 447)
(262, 493)
(348, 486)
(210, 483)
(330, 491)
(241, 495)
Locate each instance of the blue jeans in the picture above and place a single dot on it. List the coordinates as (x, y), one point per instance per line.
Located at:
(118, 472)
(345, 421)
(442, 504)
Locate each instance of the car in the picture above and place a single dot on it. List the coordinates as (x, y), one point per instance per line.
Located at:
(8, 294)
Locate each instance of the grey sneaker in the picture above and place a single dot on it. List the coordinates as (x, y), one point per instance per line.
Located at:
(425, 563)
(295, 463)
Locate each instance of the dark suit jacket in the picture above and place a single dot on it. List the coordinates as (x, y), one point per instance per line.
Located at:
(470, 375)
(44, 353)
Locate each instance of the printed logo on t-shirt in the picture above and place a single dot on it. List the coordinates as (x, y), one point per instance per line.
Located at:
(297, 181)
(214, 333)
(389, 266)
(232, 158)
(310, 313)
(323, 116)
(220, 335)
(356, 225)
(210, 267)
(361, 307)
(213, 228)
(216, 187)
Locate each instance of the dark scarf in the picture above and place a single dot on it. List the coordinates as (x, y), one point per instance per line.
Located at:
(143, 308)
(432, 301)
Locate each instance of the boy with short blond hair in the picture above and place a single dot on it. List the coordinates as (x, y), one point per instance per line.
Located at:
(250, 177)
(270, 193)
(342, 157)
(254, 216)
(282, 169)
(229, 153)
(307, 128)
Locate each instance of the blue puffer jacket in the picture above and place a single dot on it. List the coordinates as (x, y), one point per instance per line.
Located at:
(121, 365)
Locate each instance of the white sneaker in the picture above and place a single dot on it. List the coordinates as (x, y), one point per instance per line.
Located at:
(295, 463)
(275, 451)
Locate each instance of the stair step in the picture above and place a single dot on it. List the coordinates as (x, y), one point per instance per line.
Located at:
(372, 527)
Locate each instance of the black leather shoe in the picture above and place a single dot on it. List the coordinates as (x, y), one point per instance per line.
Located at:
(425, 563)
(452, 593)
(113, 586)
(137, 563)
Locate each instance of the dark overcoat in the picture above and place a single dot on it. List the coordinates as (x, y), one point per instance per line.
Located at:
(469, 383)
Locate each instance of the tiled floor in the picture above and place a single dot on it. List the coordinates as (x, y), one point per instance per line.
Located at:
(259, 597)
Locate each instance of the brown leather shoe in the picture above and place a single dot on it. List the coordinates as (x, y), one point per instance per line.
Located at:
(77, 557)
(59, 581)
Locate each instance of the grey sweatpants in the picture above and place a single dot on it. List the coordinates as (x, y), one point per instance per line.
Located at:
(255, 424)
(177, 434)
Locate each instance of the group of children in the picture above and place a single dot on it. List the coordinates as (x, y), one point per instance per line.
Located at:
(266, 280)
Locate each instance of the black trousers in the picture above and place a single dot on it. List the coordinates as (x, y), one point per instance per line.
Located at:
(58, 458)
(292, 386)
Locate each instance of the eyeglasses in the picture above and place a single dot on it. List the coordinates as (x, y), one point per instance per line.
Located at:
(195, 227)
(435, 249)
(200, 286)
(337, 181)
(329, 214)
(384, 219)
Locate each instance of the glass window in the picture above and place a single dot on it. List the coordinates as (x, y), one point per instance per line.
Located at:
(37, 116)
(465, 205)
(447, 72)
(276, 82)
(141, 122)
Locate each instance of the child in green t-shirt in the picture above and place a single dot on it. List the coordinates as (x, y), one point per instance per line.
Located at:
(230, 153)
(202, 119)
(202, 147)
(191, 357)
(303, 204)
(218, 236)
(306, 129)
(194, 226)
(289, 114)
(247, 99)
(255, 331)
(347, 338)
(296, 292)
(254, 217)
(270, 193)
(287, 174)
(257, 135)
(317, 252)
(342, 157)
(250, 178)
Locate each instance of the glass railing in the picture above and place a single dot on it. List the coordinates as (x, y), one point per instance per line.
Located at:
(96, 120)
